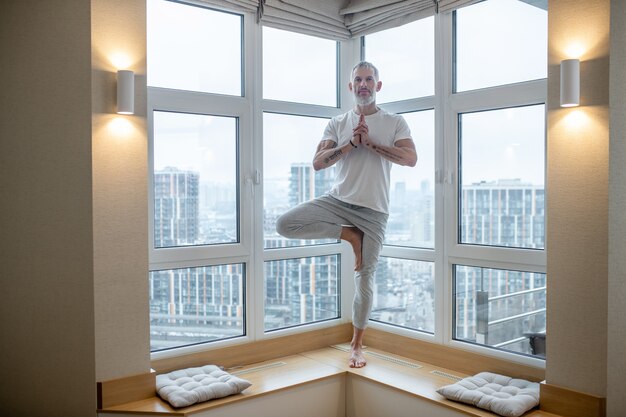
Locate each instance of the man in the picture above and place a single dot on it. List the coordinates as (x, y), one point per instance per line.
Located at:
(364, 143)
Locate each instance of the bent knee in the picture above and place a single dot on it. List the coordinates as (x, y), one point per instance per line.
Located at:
(284, 226)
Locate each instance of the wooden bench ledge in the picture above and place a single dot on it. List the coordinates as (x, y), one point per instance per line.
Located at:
(405, 375)
(408, 376)
(266, 378)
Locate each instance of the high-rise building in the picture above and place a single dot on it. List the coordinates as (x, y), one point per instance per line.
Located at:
(190, 305)
(306, 289)
(176, 205)
(503, 213)
(305, 183)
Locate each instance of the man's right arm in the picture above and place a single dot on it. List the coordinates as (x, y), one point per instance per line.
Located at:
(327, 154)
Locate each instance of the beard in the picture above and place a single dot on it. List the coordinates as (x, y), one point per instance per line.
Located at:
(364, 101)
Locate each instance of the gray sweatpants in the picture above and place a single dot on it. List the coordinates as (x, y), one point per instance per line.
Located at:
(323, 218)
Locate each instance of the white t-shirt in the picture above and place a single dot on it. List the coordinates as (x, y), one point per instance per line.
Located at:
(363, 176)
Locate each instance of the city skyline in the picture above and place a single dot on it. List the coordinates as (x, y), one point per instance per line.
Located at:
(305, 290)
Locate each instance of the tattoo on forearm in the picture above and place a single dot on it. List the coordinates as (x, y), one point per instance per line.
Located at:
(386, 153)
(334, 155)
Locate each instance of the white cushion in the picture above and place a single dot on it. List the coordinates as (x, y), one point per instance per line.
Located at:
(500, 394)
(193, 385)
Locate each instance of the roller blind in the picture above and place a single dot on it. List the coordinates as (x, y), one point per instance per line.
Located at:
(342, 19)
(235, 5)
(449, 5)
(319, 18)
(362, 17)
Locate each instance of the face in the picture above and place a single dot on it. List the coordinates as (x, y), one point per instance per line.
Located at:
(364, 86)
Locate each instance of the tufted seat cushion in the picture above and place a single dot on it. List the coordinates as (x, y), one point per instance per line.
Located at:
(500, 394)
(193, 385)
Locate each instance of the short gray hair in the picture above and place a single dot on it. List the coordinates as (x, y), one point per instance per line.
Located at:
(365, 64)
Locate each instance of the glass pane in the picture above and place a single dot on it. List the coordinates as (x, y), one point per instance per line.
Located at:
(500, 308)
(289, 143)
(405, 58)
(404, 294)
(195, 305)
(193, 48)
(502, 166)
(299, 68)
(301, 291)
(195, 179)
(500, 42)
(412, 195)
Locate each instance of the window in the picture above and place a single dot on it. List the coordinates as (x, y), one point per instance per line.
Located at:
(299, 68)
(199, 230)
(195, 179)
(196, 305)
(405, 57)
(502, 175)
(499, 308)
(412, 195)
(500, 42)
(232, 135)
(299, 76)
(180, 37)
(405, 277)
(290, 181)
(408, 300)
(498, 197)
(301, 291)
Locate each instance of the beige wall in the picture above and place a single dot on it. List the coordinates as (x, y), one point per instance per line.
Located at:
(616, 400)
(74, 225)
(577, 200)
(120, 199)
(47, 361)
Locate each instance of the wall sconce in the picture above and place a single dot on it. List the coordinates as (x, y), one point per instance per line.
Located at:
(125, 92)
(570, 83)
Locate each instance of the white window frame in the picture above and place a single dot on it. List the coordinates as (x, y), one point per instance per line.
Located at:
(455, 253)
(241, 107)
(348, 52)
(250, 250)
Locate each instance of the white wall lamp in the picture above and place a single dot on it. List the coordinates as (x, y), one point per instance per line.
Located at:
(125, 92)
(570, 83)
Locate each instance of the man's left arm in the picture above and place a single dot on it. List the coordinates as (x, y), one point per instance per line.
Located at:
(402, 152)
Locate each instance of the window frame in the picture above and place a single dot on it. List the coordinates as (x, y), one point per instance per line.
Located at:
(345, 54)
(240, 107)
(447, 251)
(530, 260)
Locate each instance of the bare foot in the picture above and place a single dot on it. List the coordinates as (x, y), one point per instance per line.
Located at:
(354, 236)
(357, 359)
